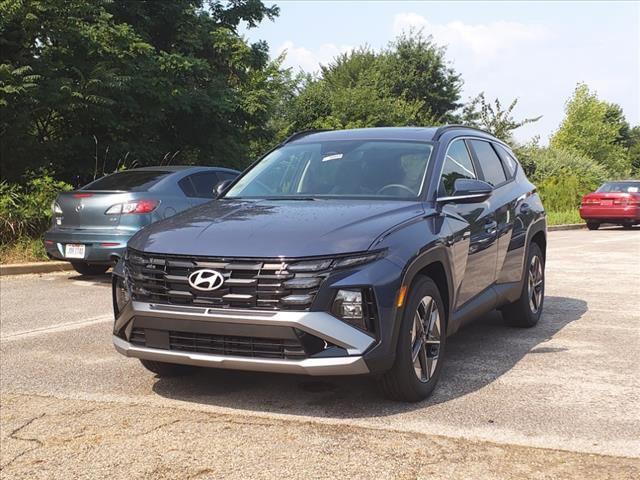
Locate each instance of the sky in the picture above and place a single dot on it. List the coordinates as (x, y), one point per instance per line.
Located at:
(536, 52)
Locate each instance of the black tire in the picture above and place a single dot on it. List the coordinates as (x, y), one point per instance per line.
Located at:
(593, 225)
(163, 369)
(526, 311)
(627, 225)
(84, 268)
(401, 382)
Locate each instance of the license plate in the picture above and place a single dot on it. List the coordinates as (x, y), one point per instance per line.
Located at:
(72, 250)
(606, 203)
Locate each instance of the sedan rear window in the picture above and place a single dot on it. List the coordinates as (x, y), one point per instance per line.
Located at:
(620, 187)
(128, 181)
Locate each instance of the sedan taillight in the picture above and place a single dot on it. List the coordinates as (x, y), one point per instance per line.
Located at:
(55, 208)
(139, 206)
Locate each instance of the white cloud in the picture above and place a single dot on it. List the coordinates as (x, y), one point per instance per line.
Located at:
(310, 60)
(484, 41)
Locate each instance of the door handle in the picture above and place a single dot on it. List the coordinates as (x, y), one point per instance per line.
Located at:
(491, 226)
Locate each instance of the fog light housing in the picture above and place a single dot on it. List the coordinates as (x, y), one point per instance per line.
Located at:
(121, 295)
(347, 305)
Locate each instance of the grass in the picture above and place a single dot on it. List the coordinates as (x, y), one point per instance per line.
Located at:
(563, 217)
(23, 250)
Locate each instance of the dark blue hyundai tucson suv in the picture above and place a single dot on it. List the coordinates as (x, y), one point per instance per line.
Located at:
(339, 253)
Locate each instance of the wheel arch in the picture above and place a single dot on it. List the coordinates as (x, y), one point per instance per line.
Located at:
(434, 264)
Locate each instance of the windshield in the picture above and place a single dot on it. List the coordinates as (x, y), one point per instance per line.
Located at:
(385, 169)
(128, 181)
(620, 187)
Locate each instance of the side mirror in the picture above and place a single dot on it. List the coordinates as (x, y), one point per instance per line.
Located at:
(468, 191)
(221, 187)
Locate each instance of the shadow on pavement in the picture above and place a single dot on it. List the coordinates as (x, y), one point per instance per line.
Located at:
(104, 278)
(476, 356)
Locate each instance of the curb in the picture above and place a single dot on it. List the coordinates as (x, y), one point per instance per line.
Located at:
(572, 226)
(35, 267)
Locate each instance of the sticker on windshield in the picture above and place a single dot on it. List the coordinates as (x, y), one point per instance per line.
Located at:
(632, 189)
(333, 156)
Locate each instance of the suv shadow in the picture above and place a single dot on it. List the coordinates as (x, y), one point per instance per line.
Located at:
(476, 356)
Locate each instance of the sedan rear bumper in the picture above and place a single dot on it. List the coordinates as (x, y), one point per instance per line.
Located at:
(629, 212)
(101, 246)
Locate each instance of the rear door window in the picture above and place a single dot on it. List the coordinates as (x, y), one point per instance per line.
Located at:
(128, 181)
(457, 164)
(199, 185)
(490, 163)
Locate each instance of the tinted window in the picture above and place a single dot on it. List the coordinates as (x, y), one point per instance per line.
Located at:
(187, 187)
(349, 168)
(227, 176)
(128, 181)
(508, 162)
(457, 164)
(202, 184)
(490, 163)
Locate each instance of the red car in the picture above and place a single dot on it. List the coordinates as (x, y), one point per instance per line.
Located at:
(613, 202)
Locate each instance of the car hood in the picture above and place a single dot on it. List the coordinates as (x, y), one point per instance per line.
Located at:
(274, 228)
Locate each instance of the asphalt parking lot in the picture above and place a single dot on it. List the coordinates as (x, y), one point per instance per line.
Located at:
(561, 400)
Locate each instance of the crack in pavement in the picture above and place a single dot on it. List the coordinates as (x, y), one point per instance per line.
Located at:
(14, 436)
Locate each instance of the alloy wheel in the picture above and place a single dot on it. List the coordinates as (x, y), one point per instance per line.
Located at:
(536, 284)
(425, 339)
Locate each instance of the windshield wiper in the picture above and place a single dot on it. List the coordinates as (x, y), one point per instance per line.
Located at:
(285, 197)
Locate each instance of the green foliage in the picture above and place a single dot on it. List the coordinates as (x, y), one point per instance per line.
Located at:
(22, 250)
(596, 129)
(408, 83)
(25, 211)
(553, 162)
(493, 118)
(564, 217)
(563, 177)
(143, 78)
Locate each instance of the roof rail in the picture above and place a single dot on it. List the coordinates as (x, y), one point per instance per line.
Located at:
(441, 130)
(303, 133)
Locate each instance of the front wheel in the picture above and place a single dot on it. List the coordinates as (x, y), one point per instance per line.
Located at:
(420, 348)
(84, 268)
(526, 311)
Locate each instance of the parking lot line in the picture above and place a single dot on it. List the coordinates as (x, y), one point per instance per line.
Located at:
(63, 327)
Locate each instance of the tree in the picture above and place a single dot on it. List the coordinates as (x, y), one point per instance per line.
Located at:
(141, 80)
(408, 83)
(596, 129)
(493, 118)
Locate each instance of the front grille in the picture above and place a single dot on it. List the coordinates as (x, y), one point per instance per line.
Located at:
(286, 349)
(270, 284)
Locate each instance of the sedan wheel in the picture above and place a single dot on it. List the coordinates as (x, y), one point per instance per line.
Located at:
(425, 339)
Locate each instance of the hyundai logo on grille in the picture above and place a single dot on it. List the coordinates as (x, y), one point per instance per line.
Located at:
(206, 280)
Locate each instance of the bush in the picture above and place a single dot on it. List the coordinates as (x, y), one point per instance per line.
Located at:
(563, 177)
(25, 211)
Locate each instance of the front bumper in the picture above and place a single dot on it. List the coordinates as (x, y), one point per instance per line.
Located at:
(344, 357)
(101, 246)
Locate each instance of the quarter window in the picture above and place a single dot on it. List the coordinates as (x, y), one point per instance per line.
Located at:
(457, 164)
(508, 162)
(490, 163)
